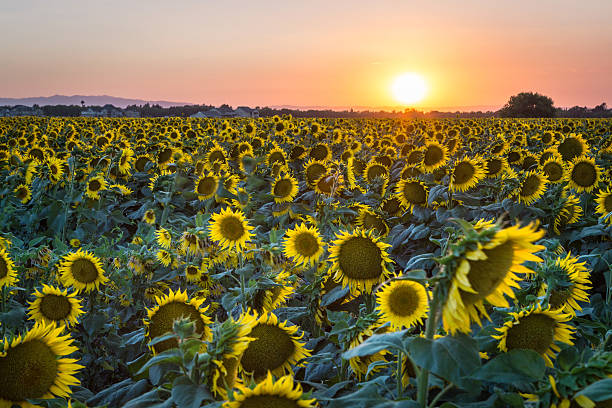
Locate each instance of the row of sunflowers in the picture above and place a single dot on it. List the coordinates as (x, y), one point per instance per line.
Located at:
(283, 262)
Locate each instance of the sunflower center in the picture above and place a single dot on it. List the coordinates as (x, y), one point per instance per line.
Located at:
(94, 185)
(28, 371)
(433, 156)
(494, 166)
(207, 186)
(558, 297)
(140, 164)
(554, 171)
(314, 171)
(403, 300)
(360, 258)
(414, 193)
(486, 275)
(164, 155)
(282, 188)
(22, 193)
(373, 221)
(55, 307)
(463, 172)
(306, 244)
(376, 170)
(608, 203)
(277, 157)
(192, 270)
(3, 268)
(534, 332)
(268, 401)
(514, 157)
(584, 174)
(231, 228)
(163, 320)
(84, 271)
(570, 148)
(530, 186)
(319, 152)
(414, 157)
(271, 349)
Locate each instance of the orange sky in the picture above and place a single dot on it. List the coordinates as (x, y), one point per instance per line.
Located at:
(316, 53)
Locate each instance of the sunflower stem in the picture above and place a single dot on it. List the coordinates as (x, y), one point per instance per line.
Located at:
(68, 199)
(166, 211)
(430, 329)
(398, 374)
(440, 394)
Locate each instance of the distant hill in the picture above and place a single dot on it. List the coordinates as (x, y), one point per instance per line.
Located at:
(96, 100)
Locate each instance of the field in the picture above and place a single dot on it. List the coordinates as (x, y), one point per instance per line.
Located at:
(282, 262)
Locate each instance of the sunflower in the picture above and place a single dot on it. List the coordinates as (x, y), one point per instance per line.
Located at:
(231, 339)
(230, 229)
(149, 217)
(375, 170)
(320, 152)
(329, 183)
(190, 243)
(8, 274)
(125, 161)
(536, 329)
(164, 238)
(54, 305)
(570, 213)
(276, 155)
(270, 393)
(532, 187)
(571, 281)
(164, 155)
(583, 174)
(193, 273)
(554, 170)
(141, 162)
(363, 364)
(303, 245)
(359, 260)
(488, 273)
(466, 174)
(573, 146)
(94, 186)
(402, 303)
(34, 366)
(435, 155)
(164, 257)
(604, 205)
(82, 270)
(411, 193)
(206, 186)
(56, 169)
(284, 188)
(23, 193)
(496, 166)
(313, 170)
(266, 300)
(160, 319)
(369, 220)
(276, 348)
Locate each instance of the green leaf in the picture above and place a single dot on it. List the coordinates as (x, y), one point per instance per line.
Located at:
(451, 357)
(377, 342)
(598, 391)
(513, 366)
(172, 356)
(186, 394)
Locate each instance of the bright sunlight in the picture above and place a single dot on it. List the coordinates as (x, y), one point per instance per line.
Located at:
(409, 88)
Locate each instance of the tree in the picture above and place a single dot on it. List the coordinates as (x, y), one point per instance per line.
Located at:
(528, 105)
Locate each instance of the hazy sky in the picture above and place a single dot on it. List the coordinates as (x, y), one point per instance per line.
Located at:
(307, 53)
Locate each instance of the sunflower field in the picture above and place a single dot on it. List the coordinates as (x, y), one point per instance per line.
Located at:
(282, 262)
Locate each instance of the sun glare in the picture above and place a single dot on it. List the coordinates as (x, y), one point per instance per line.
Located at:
(409, 88)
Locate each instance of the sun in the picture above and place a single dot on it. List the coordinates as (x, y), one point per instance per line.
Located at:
(409, 88)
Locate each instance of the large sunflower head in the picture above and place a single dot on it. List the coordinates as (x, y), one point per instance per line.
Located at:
(282, 393)
(303, 245)
(8, 274)
(276, 155)
(284, 188)
(175, 305)
(536, 329)
(360, 260)
(320, 152)
(488, 273)
(466, 174)
(573, 146)
(604, 205)
(435, 155)
(34, 366)
(411, 193)
(496, 166)
(230, 229)
(82, 270)
(583, 175)
(206, 185)
(276, 348)
(532, 187)
(53, 305)
(402, 303)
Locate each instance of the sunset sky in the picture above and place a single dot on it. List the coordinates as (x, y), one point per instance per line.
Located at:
(313, 53)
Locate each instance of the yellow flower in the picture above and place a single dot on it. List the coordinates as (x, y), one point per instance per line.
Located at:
(402, 303)
(230, 229)
(82, 270)
(269, 393)
(304, 245)
(8, 274)
(164, 238)
(54, 305)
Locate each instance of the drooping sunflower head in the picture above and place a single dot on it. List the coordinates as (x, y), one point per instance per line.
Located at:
(175, 305)
(206, 186)
(230, 229)
(282, 393)
(276, 348)
(402, 303)
(604, 205)
(149, 216)
(536, 329)
(370, 220)
(466, 174)
(303, 245)
(488, 273)
(568, 283)
(276, 155)
(360, 260)
(163, 237)
(268, 299)
(8, 274)
(532, 187)
(583, 175)
(53, 305)
(56, 169)
(34, 366)
(411, 193)
(82, 270)
(570, 212)
(284, 188)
